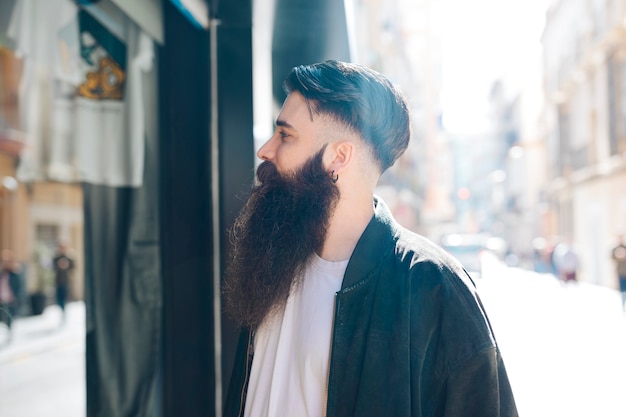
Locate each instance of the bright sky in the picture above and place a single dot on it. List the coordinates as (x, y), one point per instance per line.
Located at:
(483, 39)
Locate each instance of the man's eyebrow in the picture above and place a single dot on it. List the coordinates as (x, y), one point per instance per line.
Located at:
(283, 123)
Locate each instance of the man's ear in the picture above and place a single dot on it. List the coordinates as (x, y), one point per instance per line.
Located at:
(342, 154)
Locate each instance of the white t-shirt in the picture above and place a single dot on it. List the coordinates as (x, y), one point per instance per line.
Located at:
(46, 35)
(292, 349)
(110, 121)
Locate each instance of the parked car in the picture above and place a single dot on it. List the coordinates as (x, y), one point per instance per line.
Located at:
(470, 249)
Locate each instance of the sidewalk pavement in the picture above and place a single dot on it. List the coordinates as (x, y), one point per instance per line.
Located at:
(42, 369)
(37, 334)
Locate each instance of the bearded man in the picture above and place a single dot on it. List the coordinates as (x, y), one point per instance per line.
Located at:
(343, 311)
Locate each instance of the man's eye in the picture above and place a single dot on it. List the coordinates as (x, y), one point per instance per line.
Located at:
(283, 135)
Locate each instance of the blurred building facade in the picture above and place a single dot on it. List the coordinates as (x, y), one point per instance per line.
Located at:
(399, 39)
(584, 61)
(559, 170)
(518, 208)
(35, 215)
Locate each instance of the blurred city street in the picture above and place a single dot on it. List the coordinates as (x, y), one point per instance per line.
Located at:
(563, 346)
(130, 138)
(42, 370)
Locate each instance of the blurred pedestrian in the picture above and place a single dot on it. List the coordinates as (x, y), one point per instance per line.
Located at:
(542, 256)
(10, 288)
(619, 257)
(566, 262)
(343, 311)
(63, 264)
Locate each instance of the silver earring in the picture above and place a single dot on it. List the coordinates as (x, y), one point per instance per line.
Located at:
(334, 178)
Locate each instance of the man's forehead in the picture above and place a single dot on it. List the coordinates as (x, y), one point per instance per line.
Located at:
(295, 111)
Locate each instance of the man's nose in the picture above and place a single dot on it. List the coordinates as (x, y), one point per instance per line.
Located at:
(266, 152)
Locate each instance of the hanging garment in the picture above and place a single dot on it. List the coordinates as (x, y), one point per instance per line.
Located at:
(81, 92)
(46, 36)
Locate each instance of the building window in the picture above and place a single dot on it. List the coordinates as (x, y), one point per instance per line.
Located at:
(562, 154)
(599, 19)
(579, 132)
(621, 139)
(616, 72)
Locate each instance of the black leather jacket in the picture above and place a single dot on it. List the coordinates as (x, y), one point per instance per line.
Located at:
(410, 336)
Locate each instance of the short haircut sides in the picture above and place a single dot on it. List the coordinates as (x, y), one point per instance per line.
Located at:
(363, 99)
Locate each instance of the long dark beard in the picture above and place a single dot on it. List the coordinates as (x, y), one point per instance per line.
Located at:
(283, 223)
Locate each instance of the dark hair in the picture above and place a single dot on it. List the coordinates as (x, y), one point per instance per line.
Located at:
(361, 98)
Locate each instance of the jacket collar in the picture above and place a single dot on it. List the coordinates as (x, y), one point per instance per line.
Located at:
(373, 246)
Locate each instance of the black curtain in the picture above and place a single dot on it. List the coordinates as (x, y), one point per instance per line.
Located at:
(187, 64)
(123, 287)
(186, 212)
(236, 141)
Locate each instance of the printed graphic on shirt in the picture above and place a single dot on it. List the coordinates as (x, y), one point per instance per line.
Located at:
(104, 56)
